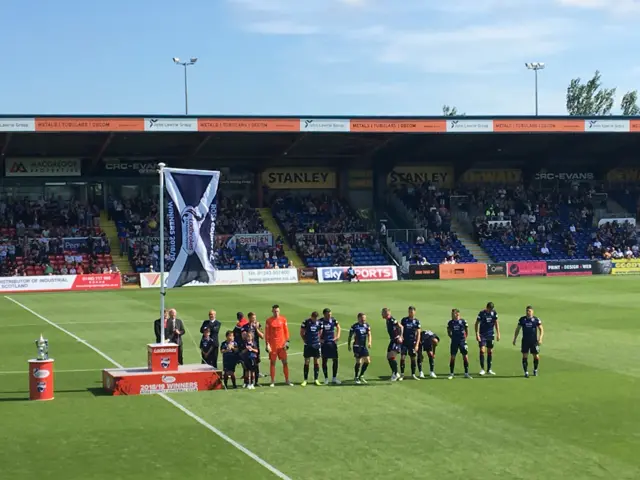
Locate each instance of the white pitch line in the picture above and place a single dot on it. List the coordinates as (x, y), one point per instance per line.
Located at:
(179, 406)
(15, 372)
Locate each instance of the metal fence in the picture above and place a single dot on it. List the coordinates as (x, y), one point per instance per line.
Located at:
(406, 235)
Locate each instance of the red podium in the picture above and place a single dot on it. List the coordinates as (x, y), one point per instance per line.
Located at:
(41, 379)
(162, 357)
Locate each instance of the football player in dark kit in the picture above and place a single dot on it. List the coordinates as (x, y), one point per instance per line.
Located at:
(411, 334)
(531, 341)
(207, 347)
(394, 329)
(238, 336)
(458, 331)
(229, 350)
(255, 329)
(428, 343)
(329, 345)
(310, 333)
(214, 330)
(487, 329)
(361, 332)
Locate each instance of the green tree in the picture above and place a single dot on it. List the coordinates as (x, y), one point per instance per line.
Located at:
(448, 111)
(629, 104)
(590, 98)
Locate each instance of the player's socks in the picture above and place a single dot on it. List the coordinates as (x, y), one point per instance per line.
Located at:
(257, 375)
(402, 364)
(325, 369)
(431, 364)
(225, 378)
(335, 368)
(393, 363)
(316, 371)
(489, 360)
(364, 369)
(536, 362)
(272, 372)
(466, 365)
(306, 372)
(233, 380)
(452, 366)
(356, 369)
(481, 361)
(413, 367)
(525, 365)
(420, 365)
(285, 370)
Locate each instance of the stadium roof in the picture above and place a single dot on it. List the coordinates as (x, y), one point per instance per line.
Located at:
(359, 141)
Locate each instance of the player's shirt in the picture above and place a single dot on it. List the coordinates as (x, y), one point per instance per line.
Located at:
(206, 344)
(487, 323)
(237, 333)
(360, 332)
(228, 353)
(392, 328)
(276, 332)
(411, 328)
(253, 329)
(457, 329)
(427, 339)
(328, 333)
(312, 329)
(351, 272)
(251, 354)
(529, 328)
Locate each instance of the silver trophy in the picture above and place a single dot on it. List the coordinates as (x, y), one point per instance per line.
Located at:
(43, 348)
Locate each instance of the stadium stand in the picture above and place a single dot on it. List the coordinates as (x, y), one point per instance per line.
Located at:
(51, 237)
(326, 231)
(430, 208)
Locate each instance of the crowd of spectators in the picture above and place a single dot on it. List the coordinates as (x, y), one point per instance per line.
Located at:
(446, 244)
(614, 240)
(336, 249)
(430, 204)
(48, 237)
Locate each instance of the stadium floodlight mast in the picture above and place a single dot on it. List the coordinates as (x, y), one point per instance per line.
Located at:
(535, 66)
(192, 61)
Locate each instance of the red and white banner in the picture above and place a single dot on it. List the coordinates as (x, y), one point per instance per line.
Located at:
(526, 269)
(141, 381)
(380, 273)
(56, 283)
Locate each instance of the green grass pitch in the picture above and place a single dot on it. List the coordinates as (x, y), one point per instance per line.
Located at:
(578, 420)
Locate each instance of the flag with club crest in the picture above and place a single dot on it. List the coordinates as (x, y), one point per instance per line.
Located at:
(191, 217)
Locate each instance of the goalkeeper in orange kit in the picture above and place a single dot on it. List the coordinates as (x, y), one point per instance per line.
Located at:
(276, 336)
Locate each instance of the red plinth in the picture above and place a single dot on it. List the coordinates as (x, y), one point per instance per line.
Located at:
(41, 379)
(162, 357)
(144, 381)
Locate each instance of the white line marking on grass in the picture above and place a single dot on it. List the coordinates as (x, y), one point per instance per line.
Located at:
(179, 406)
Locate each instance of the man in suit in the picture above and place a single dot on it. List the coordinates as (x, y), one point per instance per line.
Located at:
(214, 329)
(174, 332)
(157, 325)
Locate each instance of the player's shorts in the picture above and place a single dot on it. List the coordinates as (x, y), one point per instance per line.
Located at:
(429, 350)
(394, 347)
(408, 349)
(311, 352)
(229, 365)
(360, 352)
(278, 354)
(528, 346)
(486, 342)
(250, 362)
(461, 347)
(329, 350)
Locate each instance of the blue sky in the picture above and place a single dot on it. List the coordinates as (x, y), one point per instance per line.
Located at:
(320, 57)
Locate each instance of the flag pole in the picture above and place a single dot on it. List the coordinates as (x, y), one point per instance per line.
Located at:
(161, 212)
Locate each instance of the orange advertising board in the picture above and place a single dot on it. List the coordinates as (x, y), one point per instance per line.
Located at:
(248, 125)
(95, 124)
(462, 270)
(534, 125)
(634, 126)
(398, 126)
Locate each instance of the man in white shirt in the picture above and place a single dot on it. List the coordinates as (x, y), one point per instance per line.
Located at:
(544, 250)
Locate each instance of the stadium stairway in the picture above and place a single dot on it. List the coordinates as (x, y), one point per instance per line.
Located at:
(474, 248)
(110, 229)
(273, 227)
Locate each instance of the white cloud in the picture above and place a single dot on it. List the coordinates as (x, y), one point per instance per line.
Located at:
(282, 27)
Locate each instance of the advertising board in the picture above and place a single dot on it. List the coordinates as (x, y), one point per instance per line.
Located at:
(54, 283)
(526, 269)
(380, 273)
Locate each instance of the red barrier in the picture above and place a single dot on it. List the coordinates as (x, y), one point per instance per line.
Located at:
(526, 269)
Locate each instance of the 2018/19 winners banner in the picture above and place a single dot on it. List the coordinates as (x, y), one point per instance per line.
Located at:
(191, 213)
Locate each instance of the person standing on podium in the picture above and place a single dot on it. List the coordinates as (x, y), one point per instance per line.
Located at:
(157, 326)
(214, 330)
(174, 332)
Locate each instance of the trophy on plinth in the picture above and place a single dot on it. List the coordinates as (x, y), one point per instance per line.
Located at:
(43, 348)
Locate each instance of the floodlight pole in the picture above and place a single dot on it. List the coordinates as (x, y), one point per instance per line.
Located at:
(161, 213)
(191, 62)
(535, 66)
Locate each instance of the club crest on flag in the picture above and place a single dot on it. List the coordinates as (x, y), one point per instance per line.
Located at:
(191, 214)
